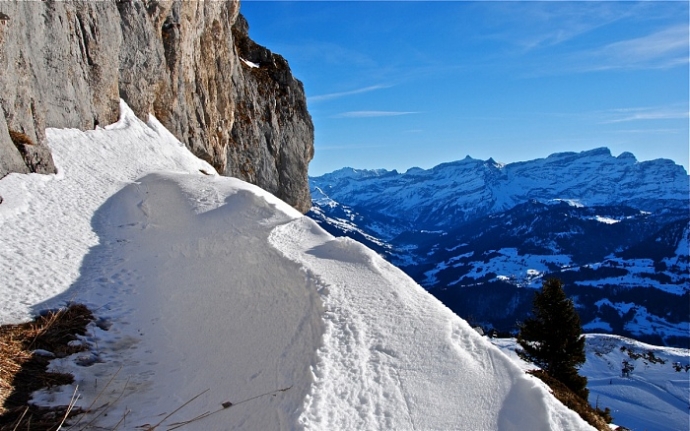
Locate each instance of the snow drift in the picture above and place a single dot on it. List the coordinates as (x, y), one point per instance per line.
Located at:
(221, 305)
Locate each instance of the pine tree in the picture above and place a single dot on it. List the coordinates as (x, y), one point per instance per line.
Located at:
(552, 338)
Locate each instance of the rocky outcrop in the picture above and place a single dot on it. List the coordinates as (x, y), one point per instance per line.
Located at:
(271, 112)
(191, 64)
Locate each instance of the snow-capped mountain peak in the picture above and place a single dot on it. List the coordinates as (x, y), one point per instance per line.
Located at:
(471, 188)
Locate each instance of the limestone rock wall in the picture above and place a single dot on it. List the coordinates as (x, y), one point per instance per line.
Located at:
(271, 111)
(191, 64)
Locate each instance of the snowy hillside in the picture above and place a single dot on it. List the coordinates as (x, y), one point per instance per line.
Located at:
(654, 396)
(218, 303)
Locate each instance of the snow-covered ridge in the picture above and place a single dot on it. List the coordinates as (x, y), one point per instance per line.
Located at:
(472, 188)
(218, 294)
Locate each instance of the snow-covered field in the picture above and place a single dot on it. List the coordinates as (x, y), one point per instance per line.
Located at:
(525, 270)
(655, 396)
(640, 272)
(218, 303)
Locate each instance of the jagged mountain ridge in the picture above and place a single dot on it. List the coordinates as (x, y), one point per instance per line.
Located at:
(493, 229)
(462, 190)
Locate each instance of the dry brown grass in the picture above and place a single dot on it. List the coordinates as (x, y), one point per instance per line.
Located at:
(574, 402)
(20, 138)
(22, 371)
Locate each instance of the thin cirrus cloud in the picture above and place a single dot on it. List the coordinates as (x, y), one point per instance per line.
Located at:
(373, 114)
(530, 25)
(672, 112)
(648, 131)
(663, 49)
(330, 96)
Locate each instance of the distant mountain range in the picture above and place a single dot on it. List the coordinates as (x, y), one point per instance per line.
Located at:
(481, 235)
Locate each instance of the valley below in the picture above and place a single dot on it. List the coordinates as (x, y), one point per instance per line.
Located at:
(482, 236)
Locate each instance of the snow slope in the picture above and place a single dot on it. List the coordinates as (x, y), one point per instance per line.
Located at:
(220, 304)
(654, 397)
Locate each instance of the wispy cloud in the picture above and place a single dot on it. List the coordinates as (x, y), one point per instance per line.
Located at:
(624, 115)
(536, 25)
(663, 49)
(574, 37)
(649, 131)
(330, 96)
(371, 114)
(659, 50)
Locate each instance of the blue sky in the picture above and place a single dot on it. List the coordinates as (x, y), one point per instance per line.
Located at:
(400, 84)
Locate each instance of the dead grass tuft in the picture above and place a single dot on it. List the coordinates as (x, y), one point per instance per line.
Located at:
(25, 351)
(595, 417)
(20, 138)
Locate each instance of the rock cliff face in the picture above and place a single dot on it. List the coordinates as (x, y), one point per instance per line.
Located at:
(191, 64)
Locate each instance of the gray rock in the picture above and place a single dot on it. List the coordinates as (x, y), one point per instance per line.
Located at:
(60, 63)
(44, 353)
(67, 64)
(10, 159)
(272, 111)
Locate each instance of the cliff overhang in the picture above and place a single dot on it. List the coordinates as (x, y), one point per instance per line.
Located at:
(191, 64)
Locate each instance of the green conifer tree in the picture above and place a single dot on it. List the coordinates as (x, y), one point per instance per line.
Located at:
(552, 338)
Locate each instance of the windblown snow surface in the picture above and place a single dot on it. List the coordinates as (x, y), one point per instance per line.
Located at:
(218, 303)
